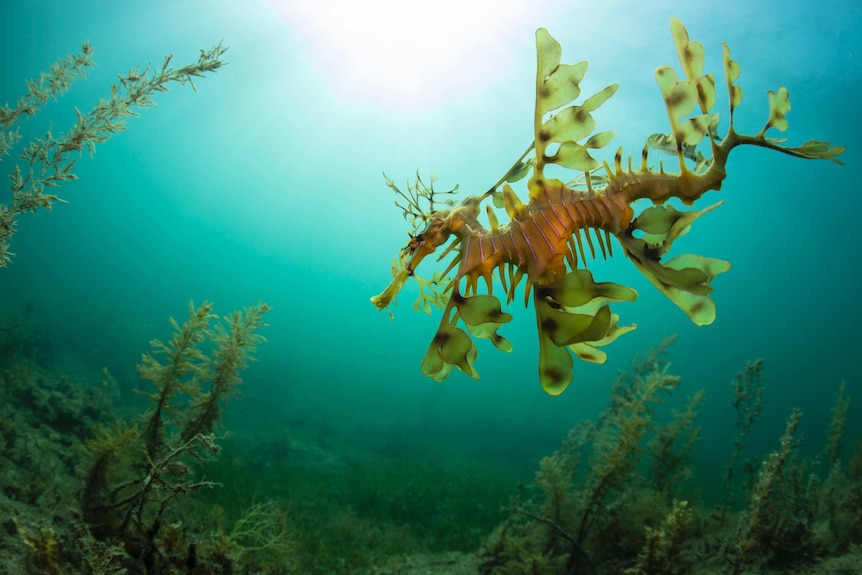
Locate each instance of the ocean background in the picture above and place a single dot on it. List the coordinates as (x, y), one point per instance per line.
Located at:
(266, 184)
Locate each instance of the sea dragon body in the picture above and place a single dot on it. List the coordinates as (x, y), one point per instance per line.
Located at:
(544, 239)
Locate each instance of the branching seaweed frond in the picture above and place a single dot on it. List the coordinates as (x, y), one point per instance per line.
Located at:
(748, 403)
(263, 527)
(135, 474)
(837, 427)
(49, 86)
(49, 161)
(671, 448)
(617, 450)
(753, 528)
(663, 548)
(235, 341)
(172, 367)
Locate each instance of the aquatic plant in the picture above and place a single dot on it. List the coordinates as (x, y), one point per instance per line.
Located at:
(794, 514)
(662, 552)
(758, 528)
(136, 474)
(748, 403)
(612, 498)
(543, 243)
(671, 447)
(589, 493)
(837, 427)
(49, 161)
(263, 531)
(46, 549)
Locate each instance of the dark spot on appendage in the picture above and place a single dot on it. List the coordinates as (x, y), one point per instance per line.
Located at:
(698, 306)
(554, 374)
(441, 338)
(549, 325)
(675, 99)
(544, 136)
(582, 116)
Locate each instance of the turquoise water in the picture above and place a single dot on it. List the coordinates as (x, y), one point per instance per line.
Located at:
(265, 184)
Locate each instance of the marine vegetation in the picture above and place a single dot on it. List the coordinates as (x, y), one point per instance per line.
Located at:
(49, 161)
(626, 493)
(137, 471)
(543, 241)
(616, 497)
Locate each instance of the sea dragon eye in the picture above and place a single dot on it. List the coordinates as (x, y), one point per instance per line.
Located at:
(415, 242)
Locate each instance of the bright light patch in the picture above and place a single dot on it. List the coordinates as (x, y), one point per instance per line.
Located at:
(405, 53)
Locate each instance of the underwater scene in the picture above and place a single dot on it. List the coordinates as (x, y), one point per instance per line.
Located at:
(402, 288)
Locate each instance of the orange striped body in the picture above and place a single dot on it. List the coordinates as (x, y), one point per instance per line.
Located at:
(539, 243)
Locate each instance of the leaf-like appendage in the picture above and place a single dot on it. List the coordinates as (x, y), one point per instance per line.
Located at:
(706, 92)
(779, 106)
(573, 312)
(691, 58)
(685, 279)
(819, 150)
(573, 156)
(570, 124)
(731, 74)
(548, 52)
(518, 172)
(588, 351)
(451, 346)
(592, 103)
(578, 288)
(497, 198)
(561, 87)
(556, 86)
(600, 140)
(483, 317)
(690, 53)
(679, 96)
(661, 225)
(691, 131)
(555, 366)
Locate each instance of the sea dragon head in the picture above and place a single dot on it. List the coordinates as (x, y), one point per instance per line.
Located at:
(431, 228)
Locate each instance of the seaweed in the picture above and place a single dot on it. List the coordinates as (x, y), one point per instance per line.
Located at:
(585, 507)
(613, 498)
(136, 473)
(758, 529)
(748, 403)
(49, 161)
(663, 550)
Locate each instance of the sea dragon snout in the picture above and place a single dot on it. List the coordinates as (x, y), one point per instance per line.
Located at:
(543, 243)
(421, 245)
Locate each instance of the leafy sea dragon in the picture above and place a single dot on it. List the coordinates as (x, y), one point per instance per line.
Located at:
(542, 244)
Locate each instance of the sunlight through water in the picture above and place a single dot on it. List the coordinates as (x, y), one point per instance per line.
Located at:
(406, 54)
